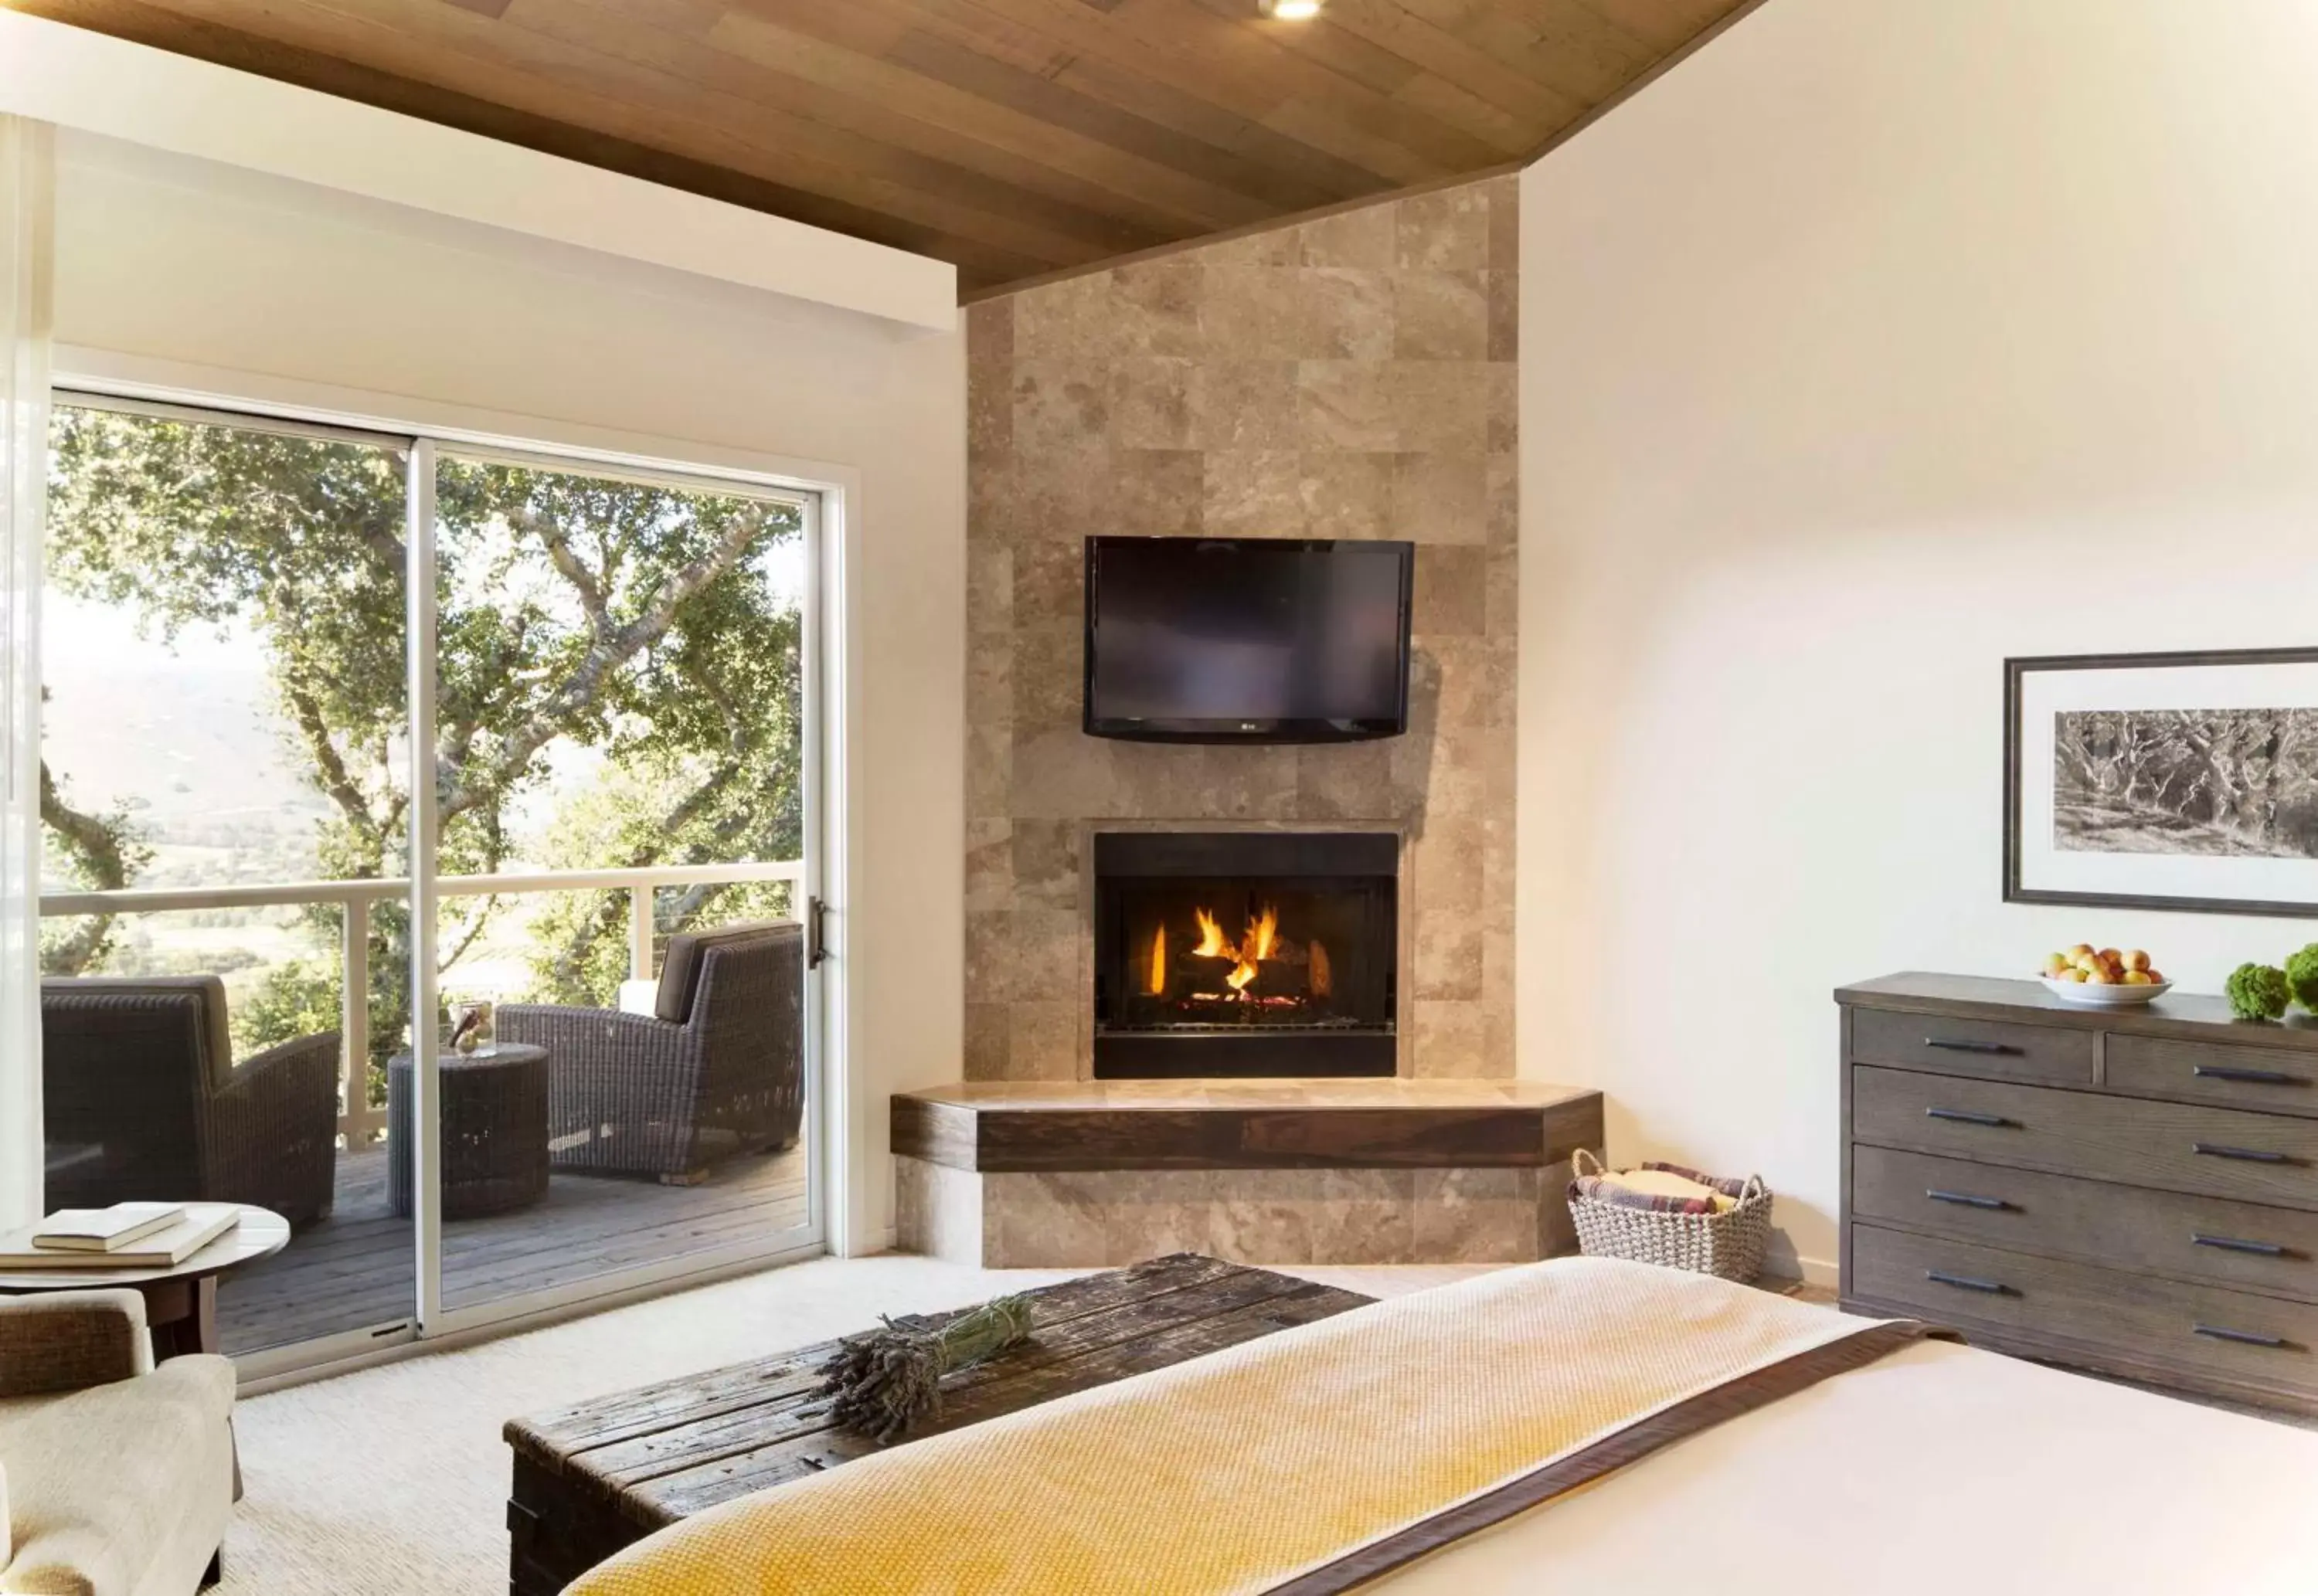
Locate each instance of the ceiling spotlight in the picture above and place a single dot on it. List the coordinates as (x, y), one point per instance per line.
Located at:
(1289, 10)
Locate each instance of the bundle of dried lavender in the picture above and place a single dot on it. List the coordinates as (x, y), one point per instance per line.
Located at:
(888, 1379)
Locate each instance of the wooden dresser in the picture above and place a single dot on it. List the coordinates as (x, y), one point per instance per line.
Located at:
(2134, 1192)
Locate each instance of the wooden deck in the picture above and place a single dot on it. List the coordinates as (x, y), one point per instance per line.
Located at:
(354, 1270)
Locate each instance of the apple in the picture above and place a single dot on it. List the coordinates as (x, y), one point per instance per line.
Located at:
(2081, 952)
(2137, 978)
(2055, 962)
(2136, 959)
(2100, 977)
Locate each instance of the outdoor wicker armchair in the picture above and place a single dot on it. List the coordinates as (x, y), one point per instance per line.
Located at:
(716, 1069)
(144, 1101)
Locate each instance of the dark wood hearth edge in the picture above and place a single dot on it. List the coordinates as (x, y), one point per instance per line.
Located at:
(1000, 1138)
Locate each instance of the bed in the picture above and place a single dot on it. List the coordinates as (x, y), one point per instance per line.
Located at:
(1578, 1424)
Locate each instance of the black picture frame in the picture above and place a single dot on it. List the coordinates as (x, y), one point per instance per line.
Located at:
(2015, 671)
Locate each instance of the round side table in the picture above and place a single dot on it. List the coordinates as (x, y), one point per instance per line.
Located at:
(180, 1299)
(494, 1131)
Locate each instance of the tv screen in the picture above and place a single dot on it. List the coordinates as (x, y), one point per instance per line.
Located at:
(1246, 639)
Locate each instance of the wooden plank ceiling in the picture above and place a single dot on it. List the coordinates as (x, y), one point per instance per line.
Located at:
(1013, 138)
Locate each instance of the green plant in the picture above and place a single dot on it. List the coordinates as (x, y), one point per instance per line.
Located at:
(2302, 976)
(2258, 992)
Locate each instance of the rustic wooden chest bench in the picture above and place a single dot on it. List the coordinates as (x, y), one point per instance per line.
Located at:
(591, 1478)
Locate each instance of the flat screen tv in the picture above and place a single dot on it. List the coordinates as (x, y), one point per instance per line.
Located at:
(1246, 639)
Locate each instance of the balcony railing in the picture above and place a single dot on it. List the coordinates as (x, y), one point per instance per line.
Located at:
(358, 1120)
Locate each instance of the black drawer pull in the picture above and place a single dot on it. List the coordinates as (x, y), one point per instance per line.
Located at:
(1967, 1117)
(2250, 1077)
(2236, 1244)
(2243, 1337)
(2248, 1155)
(1967, 1283)
(1964, 1199)
(1995, 1049)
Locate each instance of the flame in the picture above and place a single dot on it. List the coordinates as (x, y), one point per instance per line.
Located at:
(1322, 977)
(1262, 937)
(1262, 933)
(1212, 945)
(1159, 962)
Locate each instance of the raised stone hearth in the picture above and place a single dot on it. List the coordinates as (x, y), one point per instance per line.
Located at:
(1021, 1175)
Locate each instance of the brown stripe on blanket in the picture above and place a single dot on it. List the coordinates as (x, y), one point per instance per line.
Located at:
(1743, 1395)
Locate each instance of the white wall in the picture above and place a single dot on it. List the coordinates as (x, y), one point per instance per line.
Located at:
(1872, 344)
(174, 269)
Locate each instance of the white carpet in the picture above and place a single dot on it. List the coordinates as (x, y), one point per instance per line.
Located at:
(393, 1481)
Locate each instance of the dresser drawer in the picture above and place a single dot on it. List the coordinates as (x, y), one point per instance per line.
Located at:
(2273, 1251)
(2273, 1079)
(2260, 1158)
(1995, 1048)
(2261, 1340)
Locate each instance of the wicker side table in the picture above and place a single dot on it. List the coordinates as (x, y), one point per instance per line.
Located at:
(494, 1131)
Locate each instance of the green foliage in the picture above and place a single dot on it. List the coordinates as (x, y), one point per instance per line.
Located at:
(618, 627)
(2257, 992)
(2302, 975)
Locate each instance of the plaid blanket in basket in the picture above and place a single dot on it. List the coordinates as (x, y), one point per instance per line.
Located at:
(1606, 1189)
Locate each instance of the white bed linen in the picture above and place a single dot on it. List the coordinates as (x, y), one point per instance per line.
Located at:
(1938, 1469)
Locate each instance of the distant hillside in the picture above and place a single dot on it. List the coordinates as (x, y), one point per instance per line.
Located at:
(195, 747)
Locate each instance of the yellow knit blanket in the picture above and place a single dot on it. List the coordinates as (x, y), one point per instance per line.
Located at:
(1237, 1471)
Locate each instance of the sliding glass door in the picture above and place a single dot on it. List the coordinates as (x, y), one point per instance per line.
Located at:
(538, 1025)
(621, 729)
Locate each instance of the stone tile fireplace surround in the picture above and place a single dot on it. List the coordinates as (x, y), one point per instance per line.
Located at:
(1351, 376)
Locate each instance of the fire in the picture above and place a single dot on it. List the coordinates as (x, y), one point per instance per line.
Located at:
(1255, 946)
(1159, 962)
(1322, 977)
(1212, 945)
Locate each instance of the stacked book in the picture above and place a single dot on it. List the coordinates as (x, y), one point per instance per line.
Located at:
(125, 1236)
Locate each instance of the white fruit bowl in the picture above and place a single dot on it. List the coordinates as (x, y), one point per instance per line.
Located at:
(2104, 997)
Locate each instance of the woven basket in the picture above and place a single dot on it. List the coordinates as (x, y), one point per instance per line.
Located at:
(1729, 1245)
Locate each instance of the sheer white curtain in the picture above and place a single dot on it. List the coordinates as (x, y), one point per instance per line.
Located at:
(27, 167)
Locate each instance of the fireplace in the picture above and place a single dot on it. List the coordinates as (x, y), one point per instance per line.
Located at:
(1236, 954)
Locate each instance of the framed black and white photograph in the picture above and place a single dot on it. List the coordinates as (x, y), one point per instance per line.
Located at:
(2163, 780)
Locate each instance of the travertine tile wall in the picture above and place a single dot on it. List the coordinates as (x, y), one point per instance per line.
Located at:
(1349, 377)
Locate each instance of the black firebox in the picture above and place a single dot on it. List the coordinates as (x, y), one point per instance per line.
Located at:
(1236, 953)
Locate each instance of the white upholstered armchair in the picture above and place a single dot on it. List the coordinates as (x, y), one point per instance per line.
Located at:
(116, 1478)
